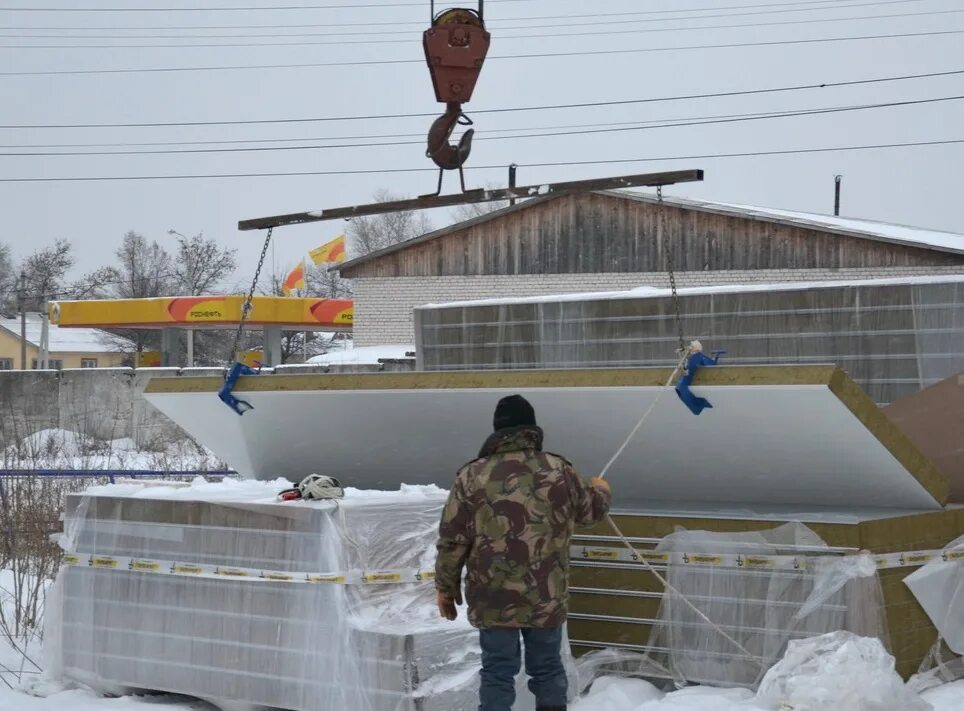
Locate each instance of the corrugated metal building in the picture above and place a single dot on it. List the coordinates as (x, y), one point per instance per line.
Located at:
(619, 240)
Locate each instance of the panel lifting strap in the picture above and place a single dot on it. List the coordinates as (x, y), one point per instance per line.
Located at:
(226, 393)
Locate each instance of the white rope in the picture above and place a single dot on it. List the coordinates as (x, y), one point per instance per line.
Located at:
(622, 537)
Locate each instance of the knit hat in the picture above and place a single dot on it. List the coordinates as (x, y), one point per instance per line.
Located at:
(513, 411)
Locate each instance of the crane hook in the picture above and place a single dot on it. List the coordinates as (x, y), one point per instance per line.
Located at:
(446, 155)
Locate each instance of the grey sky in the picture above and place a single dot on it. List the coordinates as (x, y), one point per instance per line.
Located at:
(919, 186)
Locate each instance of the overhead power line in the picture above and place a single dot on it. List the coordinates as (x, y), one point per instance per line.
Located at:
(495, 24)
(553, 35)
(542, 55)
(244, 8)
(683, 121)
(541, 134)
(385, 171)
(549, 107)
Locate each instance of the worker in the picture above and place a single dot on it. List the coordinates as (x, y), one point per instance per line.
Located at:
(508, 521)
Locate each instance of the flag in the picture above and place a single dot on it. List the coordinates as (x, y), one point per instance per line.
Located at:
(295, 279)
(333, 251)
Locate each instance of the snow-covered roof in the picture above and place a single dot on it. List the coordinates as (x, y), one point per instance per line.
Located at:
(65, 340)
(948, 242)
(643, 292)
(871, 229)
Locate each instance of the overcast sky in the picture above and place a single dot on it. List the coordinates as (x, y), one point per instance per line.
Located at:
(918, 186)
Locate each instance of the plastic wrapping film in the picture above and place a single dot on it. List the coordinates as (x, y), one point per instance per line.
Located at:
(305, 647)
(838, 671)
(939, 588)
(760, 609)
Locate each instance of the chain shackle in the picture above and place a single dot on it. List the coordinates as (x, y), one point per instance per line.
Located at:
(670, 268)
(246, 306)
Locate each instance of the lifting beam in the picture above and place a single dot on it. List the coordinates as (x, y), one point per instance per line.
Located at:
(475, 196)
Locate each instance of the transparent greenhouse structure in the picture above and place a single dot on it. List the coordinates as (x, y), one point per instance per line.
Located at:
(893, 337)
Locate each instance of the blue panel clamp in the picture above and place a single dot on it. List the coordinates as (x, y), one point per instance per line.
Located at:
(226, 393)
(695, 361)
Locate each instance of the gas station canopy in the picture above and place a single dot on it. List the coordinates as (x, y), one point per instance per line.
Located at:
(206, 312)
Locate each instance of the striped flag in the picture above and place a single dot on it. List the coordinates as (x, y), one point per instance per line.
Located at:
(295, 279)
(329, 252)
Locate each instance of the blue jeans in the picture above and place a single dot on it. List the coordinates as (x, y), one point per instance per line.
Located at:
(501, 660)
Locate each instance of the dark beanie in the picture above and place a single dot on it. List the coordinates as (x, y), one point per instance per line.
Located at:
(513, 411)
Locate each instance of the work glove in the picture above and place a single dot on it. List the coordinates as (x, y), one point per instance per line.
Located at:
(447, 605)
(600, 483)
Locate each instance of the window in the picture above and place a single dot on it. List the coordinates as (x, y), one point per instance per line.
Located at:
(52, 364)
(6, 363)
(88, 362)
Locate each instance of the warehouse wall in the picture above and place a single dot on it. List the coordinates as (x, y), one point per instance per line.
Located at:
(383, 305)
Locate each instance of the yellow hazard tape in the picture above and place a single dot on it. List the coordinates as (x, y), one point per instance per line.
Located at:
(906, 559)
(199, 570)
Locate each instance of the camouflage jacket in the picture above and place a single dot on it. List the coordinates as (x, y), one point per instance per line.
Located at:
(508, 520)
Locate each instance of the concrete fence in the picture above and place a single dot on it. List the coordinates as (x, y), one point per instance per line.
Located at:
(108, 404)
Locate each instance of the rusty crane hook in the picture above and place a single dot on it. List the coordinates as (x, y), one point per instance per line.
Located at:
(446, 155)
(455, 49)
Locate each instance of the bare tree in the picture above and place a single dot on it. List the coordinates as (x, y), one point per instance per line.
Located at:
(326, 284)
(93, 285)
(8, 279)
(200, 265)
(368, 234)
(472, 210)
(45, 271)
(144, 269)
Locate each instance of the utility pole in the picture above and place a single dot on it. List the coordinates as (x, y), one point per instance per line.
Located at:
(836, 194)
(22, 305)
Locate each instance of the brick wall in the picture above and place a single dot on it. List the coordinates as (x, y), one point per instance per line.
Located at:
(383, 305)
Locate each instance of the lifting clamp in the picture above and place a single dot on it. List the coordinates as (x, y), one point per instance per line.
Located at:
(455, 48)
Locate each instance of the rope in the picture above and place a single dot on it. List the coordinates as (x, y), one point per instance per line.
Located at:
(684, 353)
(626, 542)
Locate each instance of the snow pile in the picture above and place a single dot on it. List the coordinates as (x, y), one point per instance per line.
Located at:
(833, 672)
(65, 449)
(363, 355)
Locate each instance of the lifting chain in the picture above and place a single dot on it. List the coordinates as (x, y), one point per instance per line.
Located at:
(246, 306)
(670, 268)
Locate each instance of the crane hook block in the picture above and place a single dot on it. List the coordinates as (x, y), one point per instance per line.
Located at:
(455, 48)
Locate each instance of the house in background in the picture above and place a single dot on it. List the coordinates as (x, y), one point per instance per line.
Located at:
(67, 348)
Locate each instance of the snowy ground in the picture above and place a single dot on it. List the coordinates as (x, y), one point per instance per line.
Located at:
(362, 355)
(609, 695)
(63, 449)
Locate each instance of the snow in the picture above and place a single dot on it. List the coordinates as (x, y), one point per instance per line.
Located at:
(249, 491)
(67, 340)
(64, 449)
(889, 232)
(654, 292)
(611, 694)
(363, 355)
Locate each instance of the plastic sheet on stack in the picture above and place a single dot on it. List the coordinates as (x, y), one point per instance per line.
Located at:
(762, 610)
(298, 646)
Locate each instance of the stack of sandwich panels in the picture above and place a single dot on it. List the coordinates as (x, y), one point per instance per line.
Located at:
(780, 444)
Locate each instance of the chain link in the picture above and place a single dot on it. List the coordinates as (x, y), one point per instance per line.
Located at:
(670, 269)
(246, 306)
